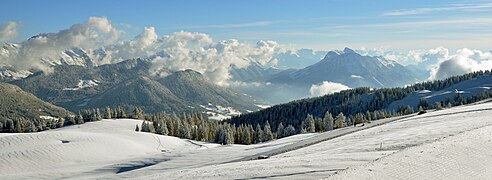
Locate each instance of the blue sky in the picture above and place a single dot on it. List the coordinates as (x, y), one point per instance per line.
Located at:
(317, 24)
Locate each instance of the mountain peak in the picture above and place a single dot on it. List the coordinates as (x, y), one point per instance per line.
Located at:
(335, 53)
(348, 50)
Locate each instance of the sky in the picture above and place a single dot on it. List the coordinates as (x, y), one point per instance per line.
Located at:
(399, 25)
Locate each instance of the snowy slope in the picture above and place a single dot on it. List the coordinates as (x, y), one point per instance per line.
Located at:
(464, 156)
(465, 89)
(90, 146)
(110, 149)
(327, 158)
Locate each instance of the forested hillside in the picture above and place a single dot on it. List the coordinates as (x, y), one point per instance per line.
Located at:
(23, 112)
(353, 103)
(130, 83)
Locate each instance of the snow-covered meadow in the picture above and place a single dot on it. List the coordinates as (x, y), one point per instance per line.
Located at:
(429, 145)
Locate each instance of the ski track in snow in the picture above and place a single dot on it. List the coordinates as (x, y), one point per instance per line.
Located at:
(111, 149)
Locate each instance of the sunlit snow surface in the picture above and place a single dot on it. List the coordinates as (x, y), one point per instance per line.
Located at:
(111, 149)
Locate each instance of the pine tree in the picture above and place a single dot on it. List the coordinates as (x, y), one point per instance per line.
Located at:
(368, 117)
(9, 126)
(309, 125)
(246, 136)
(267, 132)
(138, 113)
(72, 120)
(318, 123)
(136, 128)
(29, 127)
(251, 133)
(122, 112)
(439, 106)
(185, 130)
(289, 131)
(408, 110)
(61, 122)
(17, 126)
(340, 121)
(423, 103)
(358, 119)
(258, 134)
(108, 113)
(164, 130)
(202, 133)
(230, 136)
(280, 131)
(80, 119)
(98, 115)
(224, 136)
(145, 127)
(328, 121)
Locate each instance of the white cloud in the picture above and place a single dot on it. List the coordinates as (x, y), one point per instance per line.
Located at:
(199, 52)
(428, 57)
(326, 88)
(143, 45)
(439, 62)
(452, 7)
(8, 31)
(177, 51)
(464, 61)
(95, 32)
(353, 76)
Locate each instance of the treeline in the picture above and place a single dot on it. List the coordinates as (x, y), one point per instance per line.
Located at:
(354, 103)
(197, 127)
(28, 125)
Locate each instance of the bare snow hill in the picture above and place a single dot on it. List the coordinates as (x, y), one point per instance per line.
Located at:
(453, 139)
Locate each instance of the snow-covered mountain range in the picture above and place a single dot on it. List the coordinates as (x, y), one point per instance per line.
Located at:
(352, 69)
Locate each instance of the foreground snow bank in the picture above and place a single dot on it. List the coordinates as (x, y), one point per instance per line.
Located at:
(80, 148)
(464, 156)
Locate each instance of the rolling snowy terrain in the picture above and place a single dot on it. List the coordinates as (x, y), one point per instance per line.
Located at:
(112, 149)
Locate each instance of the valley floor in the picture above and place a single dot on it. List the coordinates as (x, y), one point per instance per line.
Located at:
(448, 144)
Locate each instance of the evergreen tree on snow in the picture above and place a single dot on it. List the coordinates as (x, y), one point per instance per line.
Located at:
(98, 115)
(61, 122)
(328, 121)
(258, 134)
(138, 113)
(108, 113)
(80, 119)
(340, 121)
(268, 135)
(246, 136)
(289, 131)
(185, 130)
(309, 125)
(280, 131)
